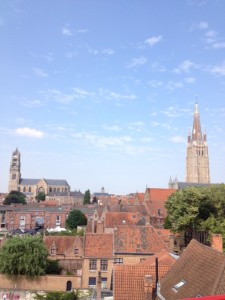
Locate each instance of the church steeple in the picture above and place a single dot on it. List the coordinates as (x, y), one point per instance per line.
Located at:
(197, 160)
(196, 131)
(14, 172)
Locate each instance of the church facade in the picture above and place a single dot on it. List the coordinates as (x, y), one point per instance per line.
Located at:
(197, 158)
(32, 187)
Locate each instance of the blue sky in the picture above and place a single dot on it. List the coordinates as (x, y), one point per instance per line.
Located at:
(102, 92)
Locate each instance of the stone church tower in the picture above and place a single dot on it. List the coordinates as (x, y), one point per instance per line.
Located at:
(197, 160)
(14, 172)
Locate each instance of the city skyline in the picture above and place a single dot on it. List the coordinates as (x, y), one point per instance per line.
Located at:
(102, 93)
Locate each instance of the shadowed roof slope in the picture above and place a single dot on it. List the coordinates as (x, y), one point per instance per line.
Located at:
(198, 272)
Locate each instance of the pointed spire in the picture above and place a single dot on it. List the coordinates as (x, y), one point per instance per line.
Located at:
(196, 131)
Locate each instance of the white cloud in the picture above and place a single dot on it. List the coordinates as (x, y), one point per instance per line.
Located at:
(202, 25)
(219, 70)
(174, 85)
(31, 103)
(2, 23)
(157, 67)
(185, 67)
(108, 51)
(189, 80)
(178, 139)
(82, 30)
(81, 93)
(219, 45)
(29, 132)
(152, 41)
(40, 73)
(111, 95)
(154, 83)
(66, 31)
(136, 62)
(112, 128)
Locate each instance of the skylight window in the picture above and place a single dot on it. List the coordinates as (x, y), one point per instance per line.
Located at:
(177, 286)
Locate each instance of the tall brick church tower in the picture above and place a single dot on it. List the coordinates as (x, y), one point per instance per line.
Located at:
(197, 160)
(14, 172)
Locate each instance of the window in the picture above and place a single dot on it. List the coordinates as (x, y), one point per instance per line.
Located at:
(13, 176)
(103, 283)
(76, 251)
(142, 259)
(24, 189)
(57, 220)
(104, 265)
(92, 282)
(118, 261)
(53, 250)
(93, 264)
(29, 189)
(177, 286)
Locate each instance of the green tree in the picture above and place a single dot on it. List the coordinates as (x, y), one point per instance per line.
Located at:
(53, 267)
(57, 296)
(40, 197)
(197, 209)
(87, 197)
(76, 218)
(15, 197)
(25, 255)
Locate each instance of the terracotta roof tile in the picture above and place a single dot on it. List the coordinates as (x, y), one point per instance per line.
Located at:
(99, 245)
(62, 243)
(156, 199)
(129, 280)
(137, 239)
(121, 218)
(202, 270)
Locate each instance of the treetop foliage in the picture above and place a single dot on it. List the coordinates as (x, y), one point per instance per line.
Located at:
(87, 197)
(76, 218)
(15, 197)
(201, 209)
(25, 255)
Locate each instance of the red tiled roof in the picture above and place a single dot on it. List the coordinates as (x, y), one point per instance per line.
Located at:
(157, 199)
(164, 258)
(140, 197)
(62, 243)
(99, 245)
(201, 268)
(121, 218)
(129, 280)
(137, 239)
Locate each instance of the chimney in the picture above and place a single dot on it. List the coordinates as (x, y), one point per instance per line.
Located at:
(217, 242)
(100, 227)
(148, 286)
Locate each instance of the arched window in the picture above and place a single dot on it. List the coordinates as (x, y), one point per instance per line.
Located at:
(50, 190)
(29, 189)
(24, 189)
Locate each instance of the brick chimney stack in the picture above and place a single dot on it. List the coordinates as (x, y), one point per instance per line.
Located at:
(217, 242)
(148, 286)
